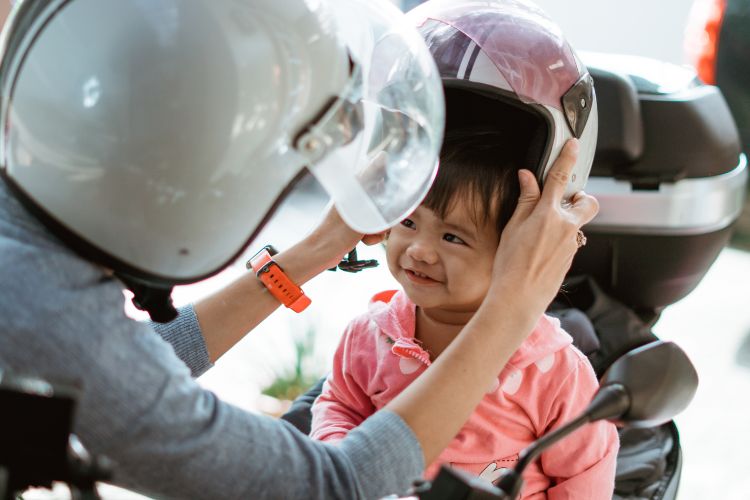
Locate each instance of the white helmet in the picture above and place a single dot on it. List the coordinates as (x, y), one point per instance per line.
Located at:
(157, 136)
(505, 61)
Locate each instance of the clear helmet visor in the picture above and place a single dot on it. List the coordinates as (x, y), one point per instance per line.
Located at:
(375, 148)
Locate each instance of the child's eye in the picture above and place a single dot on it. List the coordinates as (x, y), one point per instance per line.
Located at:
(408, 223)
(452, 238)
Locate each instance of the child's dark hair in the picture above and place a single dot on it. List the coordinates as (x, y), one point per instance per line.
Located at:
(483, 165)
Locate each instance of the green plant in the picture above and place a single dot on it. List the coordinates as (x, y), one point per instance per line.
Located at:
(293, 382)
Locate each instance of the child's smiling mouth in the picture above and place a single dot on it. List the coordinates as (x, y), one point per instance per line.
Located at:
(420, 278)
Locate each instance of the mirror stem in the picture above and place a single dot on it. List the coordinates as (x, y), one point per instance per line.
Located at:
(609, 402)
(512, 481)
(529, 454)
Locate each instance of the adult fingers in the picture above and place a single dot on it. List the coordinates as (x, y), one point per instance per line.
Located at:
(529, 196)
(584, 207)
(559, 175)
(373, 239)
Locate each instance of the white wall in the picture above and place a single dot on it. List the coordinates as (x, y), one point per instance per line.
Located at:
(641, 27)
(651, 28)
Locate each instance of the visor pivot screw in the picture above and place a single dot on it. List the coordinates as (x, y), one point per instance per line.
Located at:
(312, 145)
(583, 103)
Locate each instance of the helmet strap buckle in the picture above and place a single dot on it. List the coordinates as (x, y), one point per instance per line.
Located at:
(156, 301)
(351, 264)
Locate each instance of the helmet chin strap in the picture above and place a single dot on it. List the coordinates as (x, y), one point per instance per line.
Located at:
(155, 300)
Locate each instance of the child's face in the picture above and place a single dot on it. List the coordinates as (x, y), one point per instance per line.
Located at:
(443, 264)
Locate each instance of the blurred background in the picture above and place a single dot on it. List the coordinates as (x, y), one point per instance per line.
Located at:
(712, 323)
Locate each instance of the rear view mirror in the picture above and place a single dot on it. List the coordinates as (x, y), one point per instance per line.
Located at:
(659, 379)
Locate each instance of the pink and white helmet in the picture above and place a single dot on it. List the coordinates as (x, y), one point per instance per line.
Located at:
(505, 63)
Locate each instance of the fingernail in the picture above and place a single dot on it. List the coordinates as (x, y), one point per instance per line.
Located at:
(574, 145)
(522, 178)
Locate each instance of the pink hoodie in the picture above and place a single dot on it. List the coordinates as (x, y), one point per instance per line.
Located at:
(546, 383)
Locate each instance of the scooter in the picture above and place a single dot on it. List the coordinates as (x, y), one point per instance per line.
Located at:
(36, 444)
(646, 387)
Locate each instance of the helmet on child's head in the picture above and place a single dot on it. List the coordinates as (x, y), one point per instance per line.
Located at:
(157, 137)
(505, 64)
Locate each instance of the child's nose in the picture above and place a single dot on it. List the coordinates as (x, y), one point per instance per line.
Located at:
(422, 251)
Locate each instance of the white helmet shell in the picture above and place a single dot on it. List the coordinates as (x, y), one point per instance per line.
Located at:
(161, 134)
(510, 50)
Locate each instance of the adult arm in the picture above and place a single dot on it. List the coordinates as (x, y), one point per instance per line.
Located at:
(63, 319)
(167, 436)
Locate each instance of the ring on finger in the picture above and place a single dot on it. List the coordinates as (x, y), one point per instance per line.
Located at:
(580, 239)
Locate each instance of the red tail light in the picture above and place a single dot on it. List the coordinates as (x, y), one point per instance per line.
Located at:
(702, 37)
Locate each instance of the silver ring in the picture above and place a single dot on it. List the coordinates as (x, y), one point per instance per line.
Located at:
(580, 239)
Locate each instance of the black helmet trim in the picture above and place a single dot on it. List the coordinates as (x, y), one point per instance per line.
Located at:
(148, 294)
(541, 147)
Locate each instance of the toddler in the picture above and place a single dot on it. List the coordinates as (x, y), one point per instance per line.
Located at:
(442, 256)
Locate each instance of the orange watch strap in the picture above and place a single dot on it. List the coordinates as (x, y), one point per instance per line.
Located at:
(276, 281)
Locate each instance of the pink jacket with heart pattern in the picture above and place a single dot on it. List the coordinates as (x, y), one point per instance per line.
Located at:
(546, 383)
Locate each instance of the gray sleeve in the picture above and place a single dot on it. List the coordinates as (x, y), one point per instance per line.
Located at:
(169, 437)
(184, 333)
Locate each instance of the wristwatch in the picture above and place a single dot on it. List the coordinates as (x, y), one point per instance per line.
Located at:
(276, 280)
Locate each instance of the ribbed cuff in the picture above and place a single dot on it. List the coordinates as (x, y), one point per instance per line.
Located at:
(184, 333)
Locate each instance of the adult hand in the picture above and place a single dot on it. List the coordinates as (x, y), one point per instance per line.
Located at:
(538, 244)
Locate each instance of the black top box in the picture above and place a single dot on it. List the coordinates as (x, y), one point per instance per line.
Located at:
(669, 176)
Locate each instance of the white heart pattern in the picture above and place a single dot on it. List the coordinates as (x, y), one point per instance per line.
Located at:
(512, 382)
(545, 364)
(495, 386)
(491, 473)
(408, 365)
